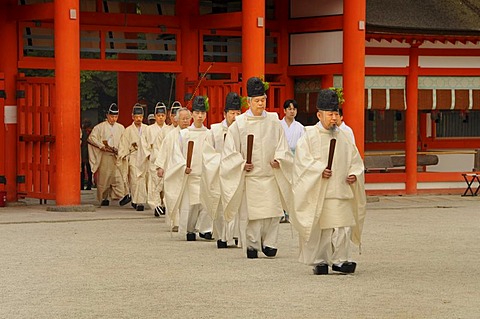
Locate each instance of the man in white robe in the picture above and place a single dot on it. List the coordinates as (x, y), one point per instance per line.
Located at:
(226, 233)
(329, 202)
(151, 143)
(129, 155)
(341, 125)
(184, 181)
(103, 144)
(258, 191)
(163, 160)
(293, 129)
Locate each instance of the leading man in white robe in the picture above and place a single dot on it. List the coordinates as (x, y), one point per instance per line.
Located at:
(103, 159)
(329, 203)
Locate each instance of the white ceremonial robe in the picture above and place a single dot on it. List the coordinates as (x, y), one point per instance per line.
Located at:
(109, 179)
(163, 161)
(129, 155)
(152, 141)
(210, 184)
(264, 192)
(327, 205)
(292, 133)
(184, 189)
(349, 131)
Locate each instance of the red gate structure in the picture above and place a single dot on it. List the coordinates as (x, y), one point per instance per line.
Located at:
(217, 90)
(36, 134)
(277, 94)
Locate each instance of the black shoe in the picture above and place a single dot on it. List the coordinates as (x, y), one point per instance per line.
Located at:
(236, 241)
(320, 269)
(347, 267)
(269, 251)
(221, 244)
(125, 200)
(134, 205)
(105, 202)
(89, 188)
(191, 237)
(162, 210)
(252, 253)
(140, 208)
(207, 235)
(156, 211)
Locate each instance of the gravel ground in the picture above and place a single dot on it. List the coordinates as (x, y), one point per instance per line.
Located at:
(419, 260)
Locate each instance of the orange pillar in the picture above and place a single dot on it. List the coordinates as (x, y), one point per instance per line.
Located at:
(8, 65)
(282, 16)
(411, 120)
(354, 12)
(67, 96)
(189, 47)
(127, 88)
(253, 40)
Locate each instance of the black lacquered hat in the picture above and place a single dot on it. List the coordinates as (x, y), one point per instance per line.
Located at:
(160, 108)
(232, 102)
(327, 100)
(113, 109)
(255, 87)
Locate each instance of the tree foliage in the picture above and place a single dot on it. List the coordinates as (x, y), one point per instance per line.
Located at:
(97, 88)
(156, 87)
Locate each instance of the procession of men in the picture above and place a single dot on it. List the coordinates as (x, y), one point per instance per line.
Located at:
(232, 184)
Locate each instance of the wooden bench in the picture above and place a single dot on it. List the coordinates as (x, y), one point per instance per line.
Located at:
(382, 163)
(386, 162)
(422, 160)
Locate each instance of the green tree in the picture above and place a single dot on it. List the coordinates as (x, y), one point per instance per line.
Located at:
(98, 89)
(156, 87)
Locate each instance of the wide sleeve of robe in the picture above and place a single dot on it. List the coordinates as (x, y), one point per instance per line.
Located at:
(94, 146)
(308, 189)
(358, 189)
(232, 173)
(210, 179)
(175, 178)
(283, 176)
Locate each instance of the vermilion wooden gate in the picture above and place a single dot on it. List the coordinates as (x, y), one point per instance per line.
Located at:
(217, 90)
(36, 137)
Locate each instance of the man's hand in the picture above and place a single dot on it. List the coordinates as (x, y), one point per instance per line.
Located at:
(188, 170)
(160, 172)
(351, 179)
(327, 173)
(248, 167)
(274, 164)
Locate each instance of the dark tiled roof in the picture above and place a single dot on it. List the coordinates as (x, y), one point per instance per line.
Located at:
(426, 17)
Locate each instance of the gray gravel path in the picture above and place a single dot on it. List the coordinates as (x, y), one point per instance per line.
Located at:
(420, 258)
